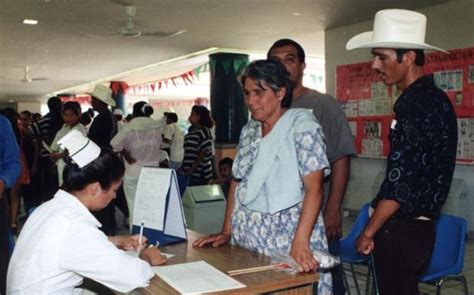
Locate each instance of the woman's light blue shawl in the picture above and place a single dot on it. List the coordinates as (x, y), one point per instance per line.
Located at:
(269, 165)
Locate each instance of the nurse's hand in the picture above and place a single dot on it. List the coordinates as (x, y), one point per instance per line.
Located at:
(153, 256)
(215, 239)
(129, 242)
(302, 255)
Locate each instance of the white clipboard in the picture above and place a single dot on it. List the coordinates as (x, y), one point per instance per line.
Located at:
(158, 206)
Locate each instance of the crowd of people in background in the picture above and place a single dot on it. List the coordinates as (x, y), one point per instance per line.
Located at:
(286, 186)
(138, 139)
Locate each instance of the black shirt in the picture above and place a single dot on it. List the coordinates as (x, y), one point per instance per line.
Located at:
(422, 157)
(103, 129)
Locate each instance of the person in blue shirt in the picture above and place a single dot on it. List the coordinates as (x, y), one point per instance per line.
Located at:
(9, 171)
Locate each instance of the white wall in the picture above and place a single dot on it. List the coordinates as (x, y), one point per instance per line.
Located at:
(450, 26)
(33, 107)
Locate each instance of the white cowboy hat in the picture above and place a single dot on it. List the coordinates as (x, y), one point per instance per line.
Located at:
(104, 94)
(81, 149)
(394, 28)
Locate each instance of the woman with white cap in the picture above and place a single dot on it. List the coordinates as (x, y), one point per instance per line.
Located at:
(61, 244)
(139, 142)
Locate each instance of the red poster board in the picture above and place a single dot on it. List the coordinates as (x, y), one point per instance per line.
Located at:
(368, 103)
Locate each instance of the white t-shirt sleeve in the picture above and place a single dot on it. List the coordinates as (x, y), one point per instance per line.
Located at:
(168, 131)
(118, 141)
(89, 253)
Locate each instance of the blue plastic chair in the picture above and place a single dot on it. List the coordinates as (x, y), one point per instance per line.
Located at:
(447, 260)
(349, 252)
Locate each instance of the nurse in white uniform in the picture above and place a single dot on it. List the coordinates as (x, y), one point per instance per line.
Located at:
(61, 243)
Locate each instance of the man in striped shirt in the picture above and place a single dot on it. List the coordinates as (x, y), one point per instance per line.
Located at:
(43, 132)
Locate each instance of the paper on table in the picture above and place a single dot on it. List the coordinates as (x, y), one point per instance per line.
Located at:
(196, 277)
(134, 253)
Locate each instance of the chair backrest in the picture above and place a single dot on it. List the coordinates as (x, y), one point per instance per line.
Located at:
(448, 253)
(348, 248)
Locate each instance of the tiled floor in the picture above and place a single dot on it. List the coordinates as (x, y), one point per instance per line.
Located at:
(449, 288)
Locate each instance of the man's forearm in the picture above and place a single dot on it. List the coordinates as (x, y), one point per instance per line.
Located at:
(339, 178)
(385, 209)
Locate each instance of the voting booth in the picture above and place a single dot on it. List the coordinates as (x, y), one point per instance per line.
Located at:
(459, 201)
(204, 208)
(158, 212)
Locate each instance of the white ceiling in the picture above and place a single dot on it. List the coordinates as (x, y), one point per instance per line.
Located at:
(76, 45)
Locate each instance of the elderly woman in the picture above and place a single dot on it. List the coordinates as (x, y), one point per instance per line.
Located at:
(61, 243)
(139, 142)
(274, 202)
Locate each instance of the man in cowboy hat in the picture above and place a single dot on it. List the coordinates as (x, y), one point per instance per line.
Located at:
(423, 142)
(102, 130)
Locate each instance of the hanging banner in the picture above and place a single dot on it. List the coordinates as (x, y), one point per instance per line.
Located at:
(152, 88)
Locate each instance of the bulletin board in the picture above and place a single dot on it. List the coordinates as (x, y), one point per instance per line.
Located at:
(368, 103)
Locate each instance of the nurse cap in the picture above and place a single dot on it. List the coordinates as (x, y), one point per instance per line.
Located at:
(81, 149)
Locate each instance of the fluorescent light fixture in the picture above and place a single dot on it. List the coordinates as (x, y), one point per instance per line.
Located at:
(30, 21)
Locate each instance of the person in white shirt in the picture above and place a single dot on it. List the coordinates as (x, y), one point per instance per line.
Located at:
(139, 142)
(71, 114)
(61, 243)
(174, 136)
(118, 114)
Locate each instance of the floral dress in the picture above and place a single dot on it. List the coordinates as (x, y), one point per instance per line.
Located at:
(268, 233)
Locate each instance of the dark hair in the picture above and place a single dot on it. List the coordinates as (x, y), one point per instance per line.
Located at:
(55, 104)
(204, 115)
(172, 117)
(420, 55)
(90, 111)
(142, 109)
(36, 116)
(274, 74)
(105, 170)
(226, 161)
(85, 118)
(27, 113)
(288, 42)
(73, 106)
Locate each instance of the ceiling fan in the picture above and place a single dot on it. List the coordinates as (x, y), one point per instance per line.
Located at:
(130, 30)
(27, 78)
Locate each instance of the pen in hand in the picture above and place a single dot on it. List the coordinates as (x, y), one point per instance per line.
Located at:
(140, 238)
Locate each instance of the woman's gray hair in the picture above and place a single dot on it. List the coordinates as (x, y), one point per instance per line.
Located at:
(274, 74)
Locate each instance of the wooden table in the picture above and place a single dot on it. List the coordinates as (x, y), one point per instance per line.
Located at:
(227, 258)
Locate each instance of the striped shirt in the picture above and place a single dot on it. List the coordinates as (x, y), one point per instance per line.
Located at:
(194, 142)
(45, 129)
